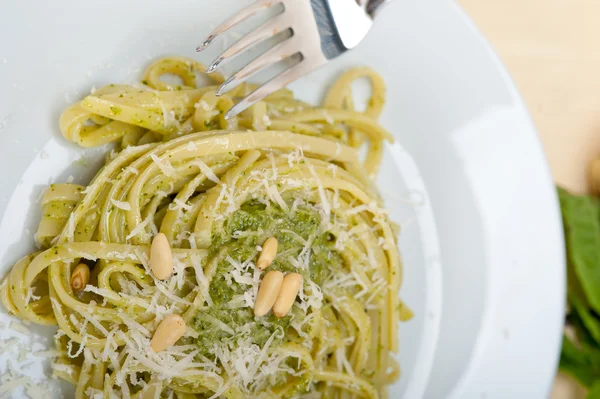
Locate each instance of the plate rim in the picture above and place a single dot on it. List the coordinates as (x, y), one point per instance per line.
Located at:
(473, 377)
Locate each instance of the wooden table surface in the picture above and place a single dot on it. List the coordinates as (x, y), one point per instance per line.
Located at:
(552, 50)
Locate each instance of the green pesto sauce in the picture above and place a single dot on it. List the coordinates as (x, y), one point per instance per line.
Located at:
(287, 227)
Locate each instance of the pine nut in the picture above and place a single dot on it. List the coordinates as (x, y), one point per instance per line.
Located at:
(168, 332)
(80, 277)
(287, 295)
(161, 257)
(267, 292)
(595, 177)
(268, 253)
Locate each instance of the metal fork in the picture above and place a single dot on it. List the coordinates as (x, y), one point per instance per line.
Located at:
(318, 31)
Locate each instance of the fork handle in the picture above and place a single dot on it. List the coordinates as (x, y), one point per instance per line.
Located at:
(374, 6)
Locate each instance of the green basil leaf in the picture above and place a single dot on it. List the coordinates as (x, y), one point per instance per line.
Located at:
(594, 392)
(581, 219)
(589, 321)
(575, 363)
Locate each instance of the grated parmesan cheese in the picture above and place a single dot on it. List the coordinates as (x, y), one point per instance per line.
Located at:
(266, 120)
(70, 233)
(123, 205)
(138, 229)
(206, 170)
(164, 165)
(202, 105)
(93, 393)
(10, 385)
(63, 368)
(48, 353)
(19, 327)
(191, 146)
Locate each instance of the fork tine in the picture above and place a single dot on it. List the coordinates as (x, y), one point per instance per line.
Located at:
(263, 32)
(236, 19)
(279, 52)
(283, 79)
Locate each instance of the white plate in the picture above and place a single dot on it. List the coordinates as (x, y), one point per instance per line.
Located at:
(467, 172)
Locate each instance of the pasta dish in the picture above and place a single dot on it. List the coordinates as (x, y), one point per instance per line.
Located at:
(207, 258)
